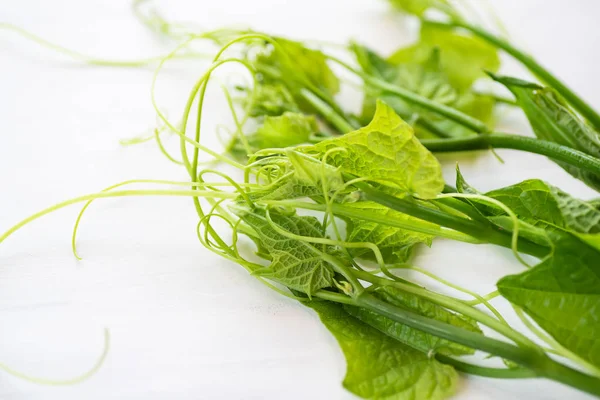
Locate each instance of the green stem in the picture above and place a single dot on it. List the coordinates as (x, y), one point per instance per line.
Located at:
(502, 373)
(413, 225)
(452, 304)
(538, 362)
(523, 356)
(486, 232)
(555, 151)
(338, 121)
(414, 98)
(538, 70)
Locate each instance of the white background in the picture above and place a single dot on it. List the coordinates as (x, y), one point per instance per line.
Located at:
(184, 323)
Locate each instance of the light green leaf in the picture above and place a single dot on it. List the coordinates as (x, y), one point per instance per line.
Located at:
(395, 244)
(552, 120)
(386, 151)
(379, 367)
(413, 337)
(427, 79)
(289, 129)
(298, 64)
(303, 176)
(271, 99)
(294, 263)
(562, 294)
(463, 58)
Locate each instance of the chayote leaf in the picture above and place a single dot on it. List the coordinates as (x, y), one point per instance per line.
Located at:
(296, 264)
(299, 63)
(379, 367)
(562, 295)
(463, 58)
(385, 151)
(551, 119)
(539, 204)
(426, 78)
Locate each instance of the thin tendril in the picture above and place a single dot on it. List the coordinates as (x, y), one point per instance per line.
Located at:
(443, 281)
(122, 193)
(72, 381)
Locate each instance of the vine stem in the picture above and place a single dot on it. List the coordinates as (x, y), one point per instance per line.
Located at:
(528, 61)
(552, 150)
(483, 231)
(412, 97)
(454, 305)
(536, 361)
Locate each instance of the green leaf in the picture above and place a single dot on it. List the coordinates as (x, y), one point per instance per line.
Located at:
(298, 64)
(302, 176)
(463, 58)
(271, 99)
(386, 151)
(461, 184)
(289, 129)
(296, 264)
(286, 130)
(379, 367)
(562, 294)
(541, 204)
(396, 245)
(413, 337)
(552, 120)
(426, 78)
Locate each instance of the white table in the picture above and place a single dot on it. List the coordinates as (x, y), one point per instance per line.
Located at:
(186, 324)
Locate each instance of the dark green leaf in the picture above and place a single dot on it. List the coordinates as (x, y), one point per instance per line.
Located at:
(552, 120)
(415, 338)
(562, 294)
(541, 204)
(379, 367)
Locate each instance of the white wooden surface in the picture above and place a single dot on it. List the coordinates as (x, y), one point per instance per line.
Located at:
(184, 323)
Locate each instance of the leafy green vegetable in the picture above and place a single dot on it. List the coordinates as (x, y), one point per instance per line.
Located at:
(380, 367)
(541, 204)
(386, 151)
(294, 263)
(288, 129)
(395, 244)
(426, 78)
(562, 294)
(302, 176)
(552, 120)
(298, 64)
(414, 338)
(463, 58)
(271, 99)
